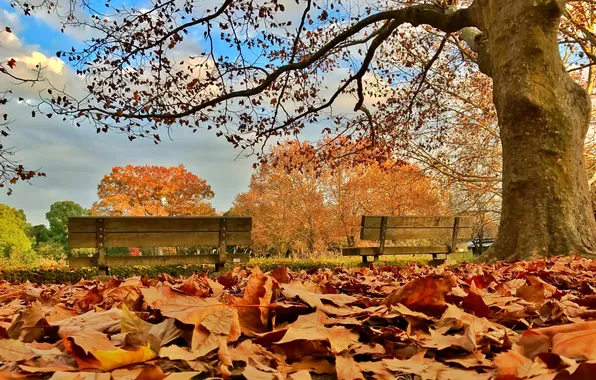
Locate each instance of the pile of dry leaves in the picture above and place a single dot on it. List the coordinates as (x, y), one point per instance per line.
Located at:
(528, 320)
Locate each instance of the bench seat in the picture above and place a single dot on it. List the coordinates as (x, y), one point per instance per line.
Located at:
(394, 251)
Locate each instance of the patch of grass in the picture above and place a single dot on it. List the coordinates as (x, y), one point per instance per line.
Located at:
(355, 261)
(60, 272)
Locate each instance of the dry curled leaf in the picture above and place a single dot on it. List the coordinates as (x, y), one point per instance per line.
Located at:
(424, 294)
(253, 308)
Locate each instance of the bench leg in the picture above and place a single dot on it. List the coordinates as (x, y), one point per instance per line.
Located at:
(219, 267)
(364, 260)
(436, 261)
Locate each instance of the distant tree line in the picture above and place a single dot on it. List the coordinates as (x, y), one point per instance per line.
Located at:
(21, 242)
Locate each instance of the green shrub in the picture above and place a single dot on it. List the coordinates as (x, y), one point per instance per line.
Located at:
(154, 271)
(58, 275)
(13, 256)
(51, 271)
(76, 252)
(51, 250)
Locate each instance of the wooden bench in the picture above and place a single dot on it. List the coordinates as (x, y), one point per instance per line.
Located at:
(447, 231)
(110, 232)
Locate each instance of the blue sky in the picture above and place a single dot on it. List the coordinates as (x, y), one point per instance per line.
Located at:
(75, 159)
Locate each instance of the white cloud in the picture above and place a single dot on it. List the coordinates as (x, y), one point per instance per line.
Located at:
(8, 40)
(36, 58)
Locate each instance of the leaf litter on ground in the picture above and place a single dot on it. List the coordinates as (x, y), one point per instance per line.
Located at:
(505, 321)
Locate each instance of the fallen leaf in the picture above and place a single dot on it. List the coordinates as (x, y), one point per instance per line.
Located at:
(221, 323)
(126, 374)
(533, 343)
(253, 310)
(424, 294)
(347, 369)
(151, 372)
(335, 304)
(439, 341)
(318, 366)
(257, 371)
(92, 349)
(300, 375)
(329, 321)
(536, 291)
(415, 365)
(103, 321)
(312, 327)
(217, 289)
(474, 304)
(171, 303)
(16, 350)
(247, 349)
(582, 342)
(59, 313)
(165, 331)
(80, 376)
(281, 275)
(512, 363)
(125, 295)
(177, 353)
(29, 324)
(182, 375)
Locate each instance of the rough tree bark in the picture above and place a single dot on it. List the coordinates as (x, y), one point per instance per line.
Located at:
(543, 117)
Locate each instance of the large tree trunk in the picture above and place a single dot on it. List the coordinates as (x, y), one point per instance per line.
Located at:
(543, 117)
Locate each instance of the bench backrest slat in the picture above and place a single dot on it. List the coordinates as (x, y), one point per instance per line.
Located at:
(158, 231)
(414, 227)
(416, 221)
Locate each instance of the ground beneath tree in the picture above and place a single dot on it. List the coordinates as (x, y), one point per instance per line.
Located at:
(528, 320)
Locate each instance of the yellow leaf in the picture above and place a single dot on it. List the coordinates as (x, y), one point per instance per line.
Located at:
(131, 322)
(120, 357)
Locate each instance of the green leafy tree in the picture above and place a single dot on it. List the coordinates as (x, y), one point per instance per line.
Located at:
(41, 233)
(13, 231)
(58, 219)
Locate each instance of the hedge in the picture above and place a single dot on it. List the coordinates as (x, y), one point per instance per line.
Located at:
(64, 274)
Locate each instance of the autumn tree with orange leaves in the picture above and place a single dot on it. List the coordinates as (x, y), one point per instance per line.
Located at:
(153, 191)
(287, 206)
(297, 205)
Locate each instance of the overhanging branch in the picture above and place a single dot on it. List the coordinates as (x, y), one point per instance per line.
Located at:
(414, 15)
